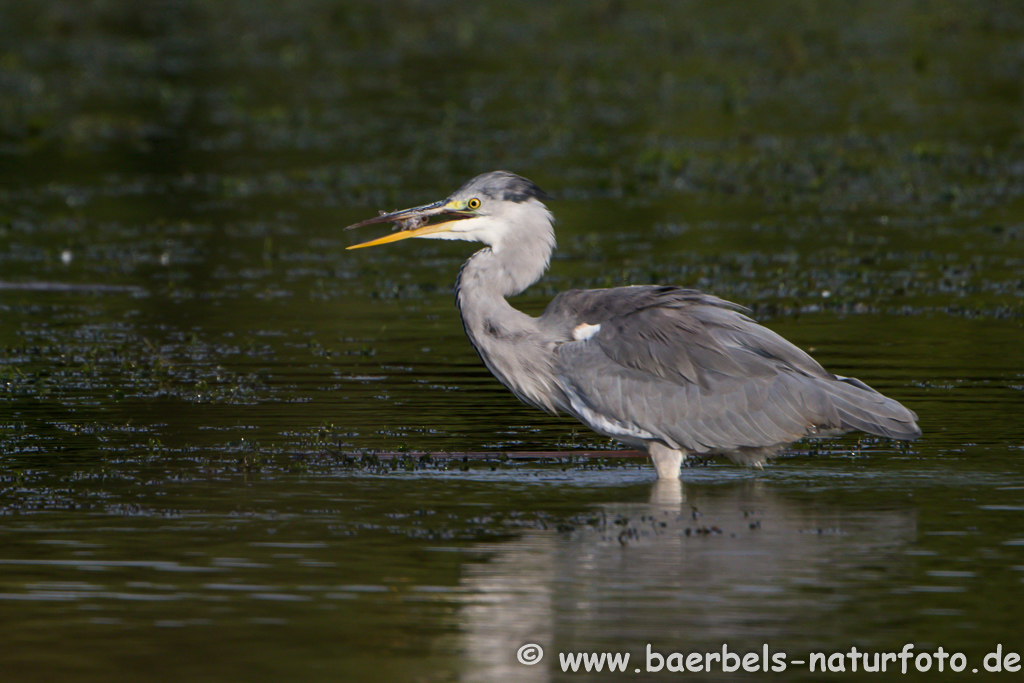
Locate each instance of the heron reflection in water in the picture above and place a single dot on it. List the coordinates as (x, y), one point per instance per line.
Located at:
(667, 369)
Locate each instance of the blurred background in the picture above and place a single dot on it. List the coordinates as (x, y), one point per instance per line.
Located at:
(194, 372)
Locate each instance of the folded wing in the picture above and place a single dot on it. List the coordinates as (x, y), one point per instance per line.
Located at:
(691, 370)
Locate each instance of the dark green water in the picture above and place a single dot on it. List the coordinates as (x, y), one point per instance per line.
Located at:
(194, 373)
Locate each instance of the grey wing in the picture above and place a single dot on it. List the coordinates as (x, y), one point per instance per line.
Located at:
(689, 369)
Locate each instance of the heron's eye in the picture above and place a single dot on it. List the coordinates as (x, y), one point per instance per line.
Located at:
(473, 203)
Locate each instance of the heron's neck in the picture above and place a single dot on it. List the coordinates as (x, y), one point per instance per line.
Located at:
(510, 342)
(514, 261)
(484, 282)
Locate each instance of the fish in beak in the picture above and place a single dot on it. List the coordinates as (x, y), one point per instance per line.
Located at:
(414, 222)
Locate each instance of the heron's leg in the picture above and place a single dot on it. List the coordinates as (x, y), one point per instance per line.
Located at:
(667, 461)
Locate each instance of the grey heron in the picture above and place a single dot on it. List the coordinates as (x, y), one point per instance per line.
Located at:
(670, 370)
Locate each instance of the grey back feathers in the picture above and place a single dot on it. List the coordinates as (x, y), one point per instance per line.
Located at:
(692, 371)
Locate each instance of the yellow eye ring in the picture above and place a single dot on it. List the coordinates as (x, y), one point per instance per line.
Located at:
(473, 203)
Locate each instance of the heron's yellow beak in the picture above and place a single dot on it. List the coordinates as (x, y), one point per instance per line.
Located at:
(406, 234)
(414, 217)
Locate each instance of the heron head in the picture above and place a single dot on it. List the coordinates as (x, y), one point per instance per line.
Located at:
(484, 210)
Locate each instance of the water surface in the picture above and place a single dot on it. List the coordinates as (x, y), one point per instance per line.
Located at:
(196, 379)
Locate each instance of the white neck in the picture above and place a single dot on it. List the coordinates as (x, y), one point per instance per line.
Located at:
(510, 342)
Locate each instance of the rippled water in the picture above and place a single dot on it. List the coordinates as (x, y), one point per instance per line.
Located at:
(213, 418)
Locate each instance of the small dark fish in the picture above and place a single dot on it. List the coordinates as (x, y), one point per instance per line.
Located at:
(407, 224)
